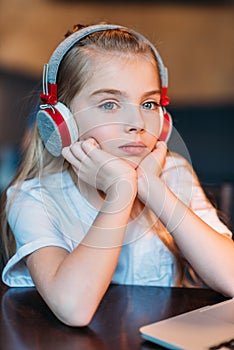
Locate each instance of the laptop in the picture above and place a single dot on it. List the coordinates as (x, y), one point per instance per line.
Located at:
(210, 327)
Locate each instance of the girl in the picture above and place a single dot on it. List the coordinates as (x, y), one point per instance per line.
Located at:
(104, 201)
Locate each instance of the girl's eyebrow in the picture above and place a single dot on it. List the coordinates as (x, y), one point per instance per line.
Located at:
(150, 93)
(109, 91)
(122, 93)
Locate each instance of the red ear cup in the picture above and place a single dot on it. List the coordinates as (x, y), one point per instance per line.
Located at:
(167, 126)
(57, 127)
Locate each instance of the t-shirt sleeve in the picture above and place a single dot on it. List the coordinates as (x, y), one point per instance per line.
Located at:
(184, 183)
(33, 225)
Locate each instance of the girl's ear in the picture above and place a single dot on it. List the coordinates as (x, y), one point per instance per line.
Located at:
(166, 127)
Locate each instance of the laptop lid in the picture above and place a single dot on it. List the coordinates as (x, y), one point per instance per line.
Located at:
(210, 327)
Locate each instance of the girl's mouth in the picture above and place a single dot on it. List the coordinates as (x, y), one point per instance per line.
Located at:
(134, 148)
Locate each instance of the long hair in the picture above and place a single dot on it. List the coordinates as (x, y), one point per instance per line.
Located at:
(74, 72)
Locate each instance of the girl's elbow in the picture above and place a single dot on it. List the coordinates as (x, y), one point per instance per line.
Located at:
(73, 308)
(230, 291)
(227, 289)
(74, 314)
(76, 319)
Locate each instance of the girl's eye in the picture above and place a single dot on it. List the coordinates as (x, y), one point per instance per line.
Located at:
(109, 106)
(151, 105)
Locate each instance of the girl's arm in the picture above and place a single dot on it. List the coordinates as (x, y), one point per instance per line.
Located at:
(210, 254)
(73, 284)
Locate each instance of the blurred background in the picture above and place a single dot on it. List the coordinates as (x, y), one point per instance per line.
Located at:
(196, 41)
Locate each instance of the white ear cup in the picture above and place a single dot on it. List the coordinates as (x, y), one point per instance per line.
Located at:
(166, 125)
(57, 127)
(161, 120)
(70, 121)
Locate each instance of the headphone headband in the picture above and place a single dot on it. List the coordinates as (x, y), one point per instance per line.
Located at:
(66, 44)
(49, 94)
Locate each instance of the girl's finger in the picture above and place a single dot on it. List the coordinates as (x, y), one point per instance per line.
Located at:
(161, 145)
(89, 145)
(77, 150)
(73, 155)
(65, 151)
(160, 151)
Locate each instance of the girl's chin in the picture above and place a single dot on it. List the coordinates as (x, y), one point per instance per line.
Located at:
(134, 162)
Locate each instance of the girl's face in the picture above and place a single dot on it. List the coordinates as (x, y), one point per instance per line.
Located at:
(119, 106)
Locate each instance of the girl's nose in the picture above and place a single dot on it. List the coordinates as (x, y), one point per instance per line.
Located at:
(134, 129)
(135, 122)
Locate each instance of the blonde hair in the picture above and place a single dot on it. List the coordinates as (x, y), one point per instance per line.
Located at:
(73, 73)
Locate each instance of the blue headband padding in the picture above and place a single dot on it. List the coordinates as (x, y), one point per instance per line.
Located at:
(66, 44)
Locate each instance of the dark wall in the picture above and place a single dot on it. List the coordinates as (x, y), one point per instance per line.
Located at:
(208, 132)
(18, 93)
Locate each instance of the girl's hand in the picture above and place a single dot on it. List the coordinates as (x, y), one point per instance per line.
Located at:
(98, 168)
(150, 168)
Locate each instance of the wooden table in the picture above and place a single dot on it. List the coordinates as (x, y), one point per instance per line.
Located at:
(27, 323)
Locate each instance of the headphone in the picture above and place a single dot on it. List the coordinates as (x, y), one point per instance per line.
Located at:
(56, 124)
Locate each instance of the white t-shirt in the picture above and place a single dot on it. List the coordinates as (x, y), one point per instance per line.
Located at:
(50, 211)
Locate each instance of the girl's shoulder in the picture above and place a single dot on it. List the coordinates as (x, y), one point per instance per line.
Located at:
(175, 160)
(37, 184)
